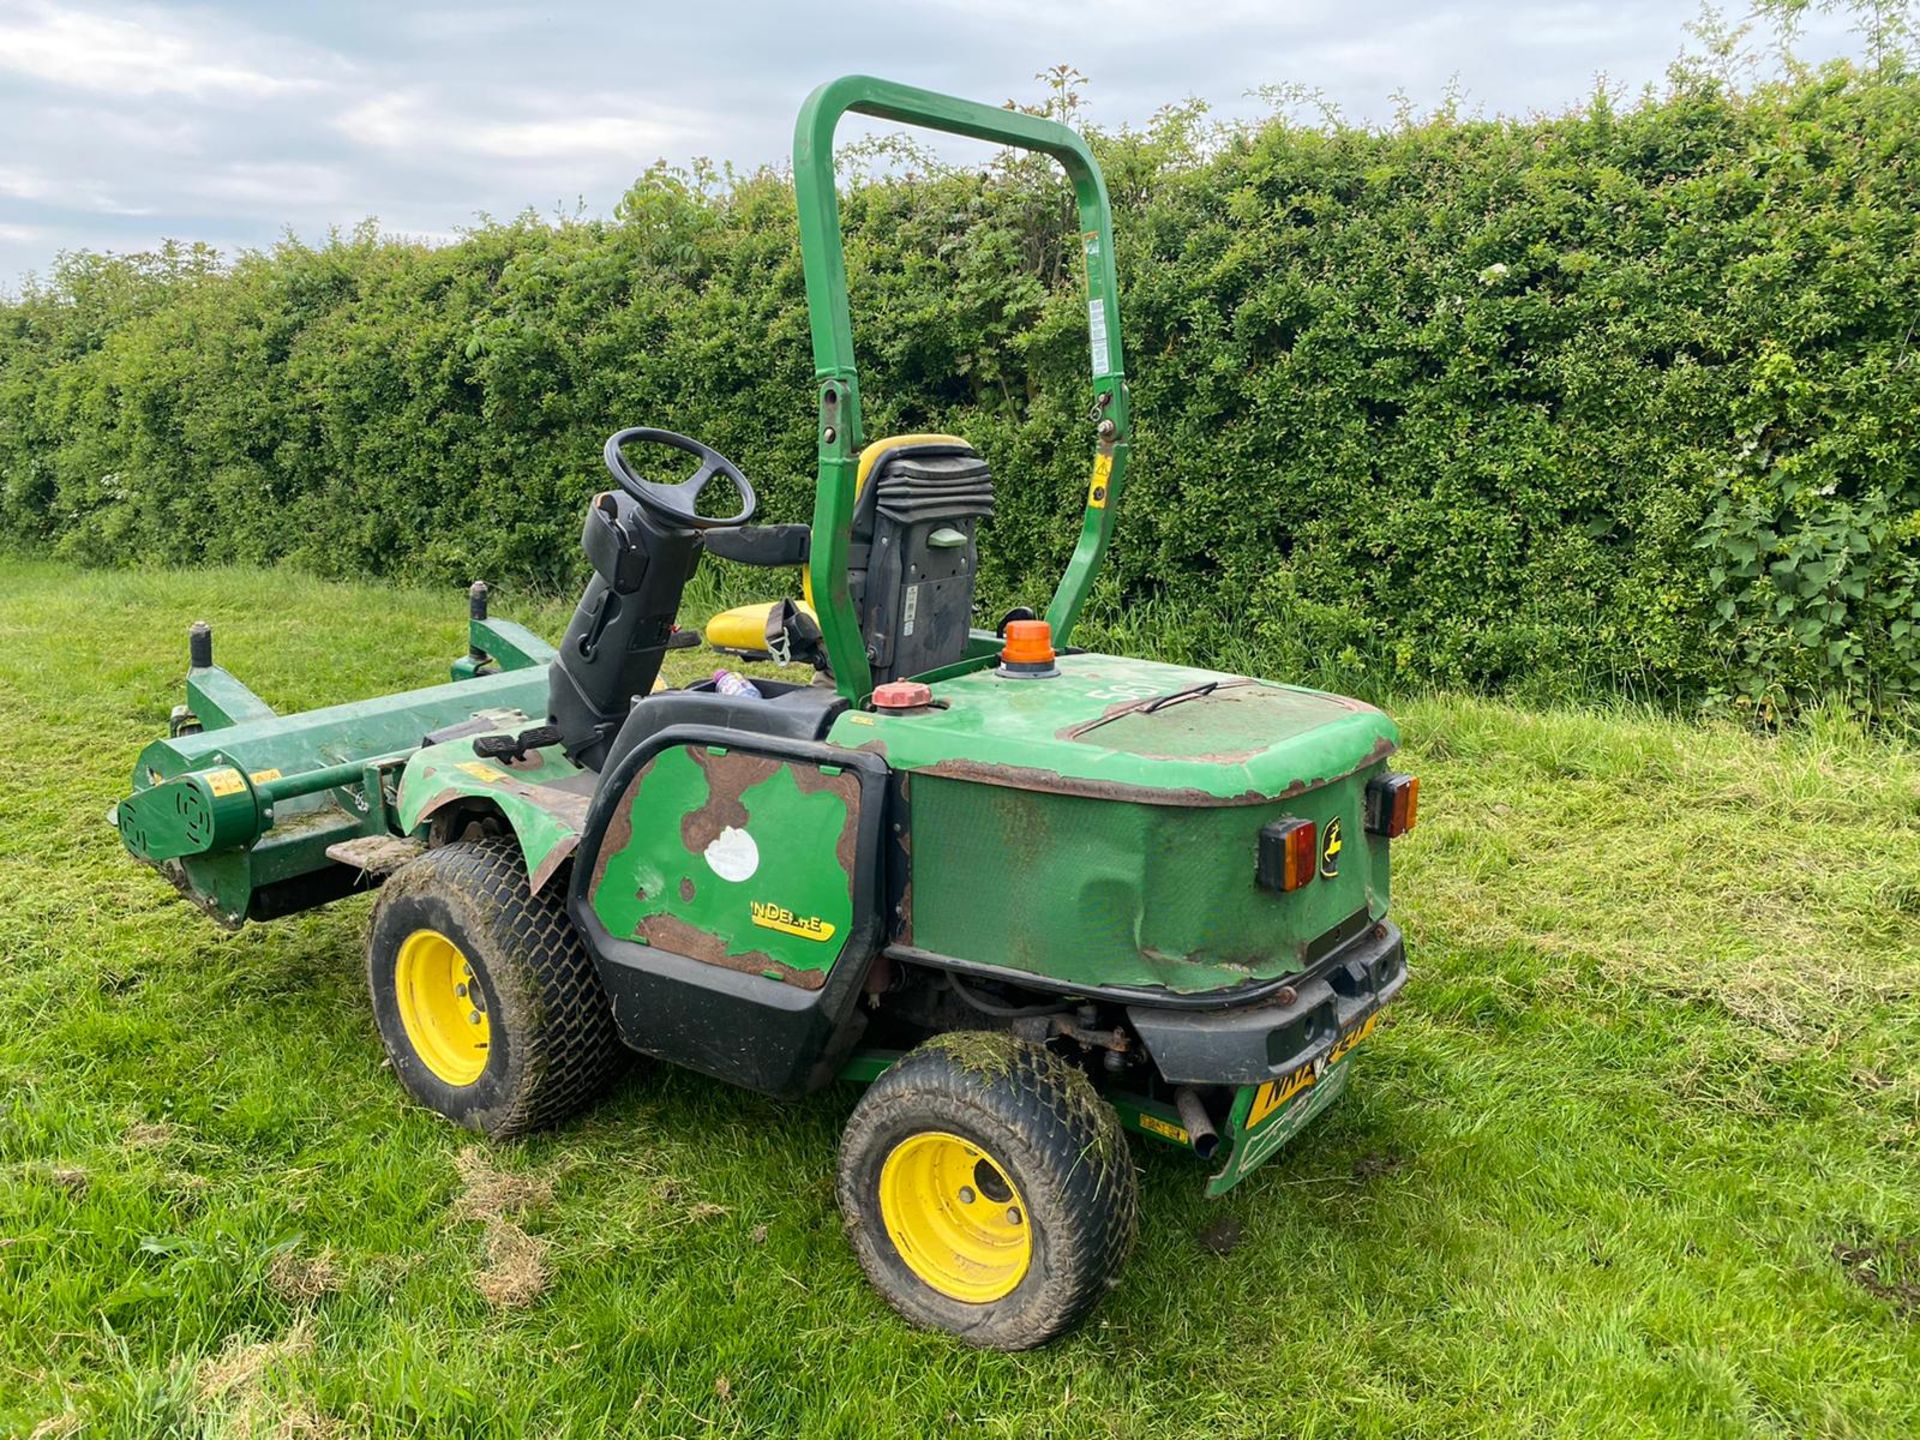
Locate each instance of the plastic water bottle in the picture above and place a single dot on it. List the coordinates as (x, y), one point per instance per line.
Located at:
(732, 682)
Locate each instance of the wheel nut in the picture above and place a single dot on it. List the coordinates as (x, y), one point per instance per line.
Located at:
(1013, 1215)
(966, 1195)
(473, 1017)
(460, 990)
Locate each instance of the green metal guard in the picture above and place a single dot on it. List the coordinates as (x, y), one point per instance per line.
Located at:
(841, 431)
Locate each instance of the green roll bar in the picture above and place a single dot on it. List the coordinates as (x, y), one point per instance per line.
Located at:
(841, 433)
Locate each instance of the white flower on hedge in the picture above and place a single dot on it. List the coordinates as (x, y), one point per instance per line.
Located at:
(1493, 272)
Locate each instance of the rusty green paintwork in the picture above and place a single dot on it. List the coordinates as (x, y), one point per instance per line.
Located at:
(778, 903)
(1087, 730)
(544, 796)
(1100, 892)
(1101, 826)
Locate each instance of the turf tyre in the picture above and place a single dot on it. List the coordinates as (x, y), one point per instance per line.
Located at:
(553, 1042)
(1062, 1147)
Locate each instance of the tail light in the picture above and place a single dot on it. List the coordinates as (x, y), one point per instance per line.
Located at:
(1393, 801)
(1289, 854)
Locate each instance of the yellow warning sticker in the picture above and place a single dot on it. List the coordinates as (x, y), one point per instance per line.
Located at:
(778, 917)
(480, 770)
(225, 782)
(261, 777)
(1155, 1125)
(1102, 473)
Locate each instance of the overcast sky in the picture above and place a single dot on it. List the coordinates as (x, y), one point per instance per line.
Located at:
(126, 123)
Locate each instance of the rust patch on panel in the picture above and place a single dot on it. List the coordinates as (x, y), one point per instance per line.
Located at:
(677, 937)
(811, 780)
(556, 857)
(728, 776)
(1021, 777)
(619, 827)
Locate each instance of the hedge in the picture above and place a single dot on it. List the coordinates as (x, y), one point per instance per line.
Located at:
(1626, 397)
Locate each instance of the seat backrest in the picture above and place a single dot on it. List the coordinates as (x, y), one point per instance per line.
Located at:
(912, 557)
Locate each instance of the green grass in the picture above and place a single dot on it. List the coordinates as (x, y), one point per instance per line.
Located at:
(1635, 1155)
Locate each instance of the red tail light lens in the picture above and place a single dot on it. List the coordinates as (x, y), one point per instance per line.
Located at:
(1289, 854)
(1393, 803)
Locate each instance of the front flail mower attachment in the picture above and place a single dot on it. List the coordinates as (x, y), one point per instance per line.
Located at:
(254, 815)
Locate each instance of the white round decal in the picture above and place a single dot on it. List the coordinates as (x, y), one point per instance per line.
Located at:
(733, 855)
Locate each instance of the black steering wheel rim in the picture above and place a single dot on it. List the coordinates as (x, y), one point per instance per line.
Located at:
(674, 504)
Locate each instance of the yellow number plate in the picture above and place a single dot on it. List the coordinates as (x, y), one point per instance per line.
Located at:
(1271, 1096)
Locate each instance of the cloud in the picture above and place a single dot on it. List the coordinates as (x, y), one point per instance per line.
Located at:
(24, 184)
(414, 121)
(126, 121)
(285, 185)
(133, 52)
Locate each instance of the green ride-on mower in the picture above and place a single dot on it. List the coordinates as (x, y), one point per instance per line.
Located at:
(1031, 897)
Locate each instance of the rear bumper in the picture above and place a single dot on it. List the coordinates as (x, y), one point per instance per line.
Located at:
(1299, 1026)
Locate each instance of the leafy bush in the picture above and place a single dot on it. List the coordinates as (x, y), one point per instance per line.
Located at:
(1624, 398)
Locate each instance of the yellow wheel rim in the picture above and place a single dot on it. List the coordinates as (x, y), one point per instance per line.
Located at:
(441, 1006)
(955, 1217)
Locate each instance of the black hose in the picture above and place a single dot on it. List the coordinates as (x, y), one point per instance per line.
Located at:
(996, 1008)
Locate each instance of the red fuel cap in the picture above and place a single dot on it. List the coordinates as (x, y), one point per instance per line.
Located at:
(902, 695)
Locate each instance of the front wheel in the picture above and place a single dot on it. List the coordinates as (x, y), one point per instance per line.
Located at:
(988, 1190)
(487, 1001)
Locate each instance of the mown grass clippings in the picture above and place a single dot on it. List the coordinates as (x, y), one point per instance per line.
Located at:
(515, 1273)
(489, 1194)
(245, 1392)
(302, 1279)
(990, 1054)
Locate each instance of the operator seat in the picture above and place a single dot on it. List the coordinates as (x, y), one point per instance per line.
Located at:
(911, 560)
(912, 556)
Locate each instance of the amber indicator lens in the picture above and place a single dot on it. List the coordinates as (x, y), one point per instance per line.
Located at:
(1393, 803)
(1289, 854)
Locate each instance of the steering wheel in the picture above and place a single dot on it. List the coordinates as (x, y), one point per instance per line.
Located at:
(674, 504)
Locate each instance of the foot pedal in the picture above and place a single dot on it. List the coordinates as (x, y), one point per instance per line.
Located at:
(515, 747)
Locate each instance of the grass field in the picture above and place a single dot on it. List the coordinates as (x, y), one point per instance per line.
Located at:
(1635, 1155)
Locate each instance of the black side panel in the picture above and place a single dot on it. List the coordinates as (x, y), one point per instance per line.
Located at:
(745, 1029)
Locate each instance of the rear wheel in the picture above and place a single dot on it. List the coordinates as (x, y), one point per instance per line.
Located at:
(988, 1190)
(488, 1003)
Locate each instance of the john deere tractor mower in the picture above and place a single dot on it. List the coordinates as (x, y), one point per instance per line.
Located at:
(1031, 897)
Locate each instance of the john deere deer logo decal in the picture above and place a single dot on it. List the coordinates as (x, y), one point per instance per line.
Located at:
(1330, 850)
